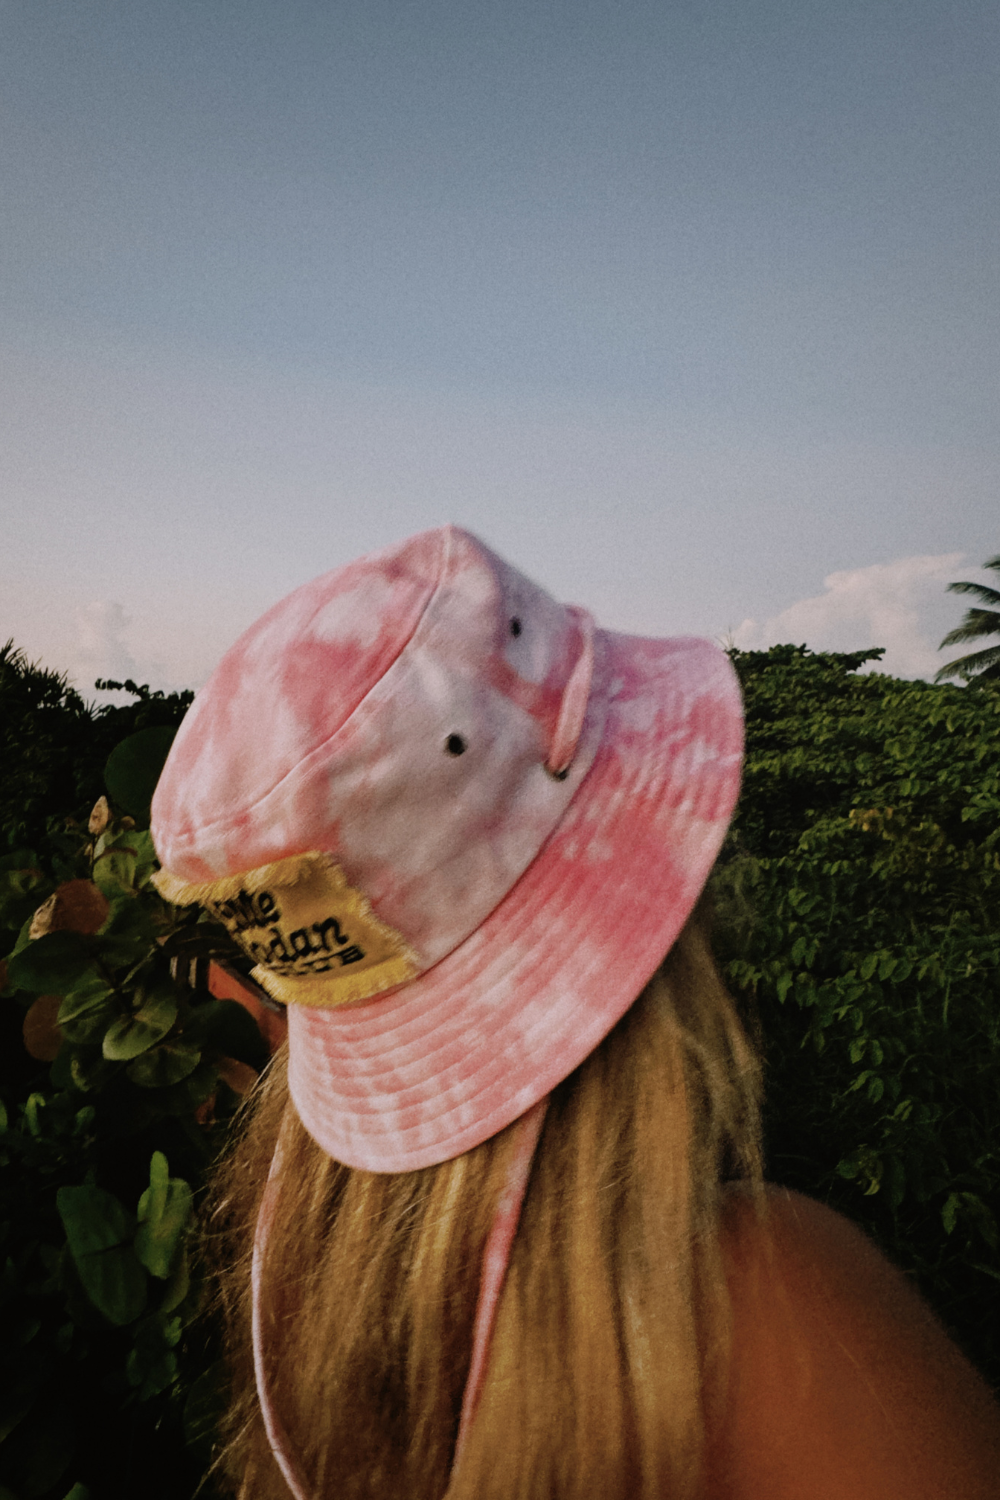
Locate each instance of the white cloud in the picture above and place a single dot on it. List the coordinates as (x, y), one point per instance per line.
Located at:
(901, 605)
(100, 649)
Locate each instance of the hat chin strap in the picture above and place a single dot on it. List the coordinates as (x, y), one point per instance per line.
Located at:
(573, 709)
(276, 1436)
(496, 1258)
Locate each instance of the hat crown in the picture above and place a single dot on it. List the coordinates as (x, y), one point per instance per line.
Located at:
(395, 716)
(288, 684)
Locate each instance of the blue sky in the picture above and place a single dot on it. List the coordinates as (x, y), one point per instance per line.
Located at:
(691, 310)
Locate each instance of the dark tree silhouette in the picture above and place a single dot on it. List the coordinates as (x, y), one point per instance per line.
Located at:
(978, 623)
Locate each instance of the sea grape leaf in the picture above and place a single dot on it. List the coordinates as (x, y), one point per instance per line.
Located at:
(87, 1009)
(90, 994)
(114, 867)
(50, 964)
(163, 1065)
(178, 1284)
(133, 769)
(152, 1365)
(100, 1231)
(130, 930)
(184, 1098)
(164, 1211)
(145, 860)
(133, 1034)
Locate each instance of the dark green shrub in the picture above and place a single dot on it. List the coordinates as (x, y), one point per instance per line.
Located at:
(859, 905)
(54, 746)
(107, 1368)
(858, 900)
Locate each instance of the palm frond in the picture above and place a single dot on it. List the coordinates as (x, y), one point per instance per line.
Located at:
(976, 624)
(982, 591)
(980, 664)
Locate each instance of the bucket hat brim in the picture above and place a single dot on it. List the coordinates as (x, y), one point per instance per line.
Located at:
(435, 1067)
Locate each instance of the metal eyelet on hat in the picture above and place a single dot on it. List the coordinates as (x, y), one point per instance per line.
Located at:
(455, 745)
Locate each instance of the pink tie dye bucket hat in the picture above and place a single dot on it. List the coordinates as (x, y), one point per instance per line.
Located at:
(456, 827)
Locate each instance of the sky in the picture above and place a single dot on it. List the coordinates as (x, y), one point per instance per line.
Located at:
(690, 310)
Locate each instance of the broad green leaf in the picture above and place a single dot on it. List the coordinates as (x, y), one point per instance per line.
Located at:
(94, 1220)
(134, 767)
(146, 861)
(152, 1375)
(178, 1284)
(131, 1035)
(154, 1198)
(124, 862)
(165, 1064)
(61, 1071)
(88, 994)
(152, 1365)
(164, 1210)
(100, 1231)
(88, 1008)
(18, 859)
(20, 881)
(982, 1217)
(114, 867)
(88, 1069)
(52, 964)
(130, 932)
(34, 1109)
(184, 1098)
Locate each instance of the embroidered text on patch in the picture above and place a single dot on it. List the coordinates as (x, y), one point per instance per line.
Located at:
(305, 950)
(313, 937)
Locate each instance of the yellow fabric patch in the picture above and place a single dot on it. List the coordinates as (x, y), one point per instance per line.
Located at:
(313, 937)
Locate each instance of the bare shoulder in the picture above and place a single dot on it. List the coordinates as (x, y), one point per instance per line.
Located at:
(843, 1383)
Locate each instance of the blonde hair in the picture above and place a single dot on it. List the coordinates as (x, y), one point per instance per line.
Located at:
(611, 1341)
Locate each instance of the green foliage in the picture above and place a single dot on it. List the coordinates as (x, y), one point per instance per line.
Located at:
(858, 899)
(100, 1339)
(164, 1211)
(54, 746)
(100, 1234)
(132, 770)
